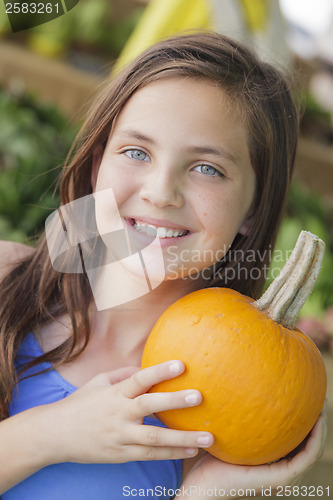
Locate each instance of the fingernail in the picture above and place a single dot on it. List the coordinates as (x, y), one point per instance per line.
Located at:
(191, 451)
(205, 440)
(193, 398)
(176, 367)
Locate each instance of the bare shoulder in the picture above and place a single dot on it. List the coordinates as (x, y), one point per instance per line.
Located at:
(10, 254)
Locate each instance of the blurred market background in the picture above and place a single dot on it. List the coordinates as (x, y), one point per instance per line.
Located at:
(50, 73)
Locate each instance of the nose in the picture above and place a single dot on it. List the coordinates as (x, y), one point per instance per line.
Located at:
(163, 189)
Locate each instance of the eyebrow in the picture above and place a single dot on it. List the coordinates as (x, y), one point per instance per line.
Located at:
(212, 151)
(136, 135)
(190, 149)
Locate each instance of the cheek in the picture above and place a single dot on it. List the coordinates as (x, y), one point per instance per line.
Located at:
(221, 217)
(117, 179)
(218, 211)
(107, 214)
(108, 175)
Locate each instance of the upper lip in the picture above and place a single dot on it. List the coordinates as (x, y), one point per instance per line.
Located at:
(158, 222)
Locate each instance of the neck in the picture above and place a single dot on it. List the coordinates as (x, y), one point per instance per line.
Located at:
(130, 323)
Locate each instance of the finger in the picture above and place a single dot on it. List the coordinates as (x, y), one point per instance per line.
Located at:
(114, 377)
(318, 435)
(314, 448)
(317, 428)
(147, 404)
(325, 407)
(121, 374)
(147, 453)
(144, 379)
(152, 435)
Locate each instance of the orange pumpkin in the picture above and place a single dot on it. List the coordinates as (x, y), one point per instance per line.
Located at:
(263, 384)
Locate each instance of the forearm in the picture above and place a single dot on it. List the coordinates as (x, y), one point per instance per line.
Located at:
(24, 446)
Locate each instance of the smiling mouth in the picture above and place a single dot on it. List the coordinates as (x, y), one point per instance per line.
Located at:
(161, 232)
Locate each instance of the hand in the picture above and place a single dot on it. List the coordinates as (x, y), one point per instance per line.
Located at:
(210, 473)
(102, 422)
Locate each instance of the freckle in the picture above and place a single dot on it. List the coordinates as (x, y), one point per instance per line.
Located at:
(205, 214)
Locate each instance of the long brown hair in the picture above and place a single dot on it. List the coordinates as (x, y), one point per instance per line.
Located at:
(34, 293)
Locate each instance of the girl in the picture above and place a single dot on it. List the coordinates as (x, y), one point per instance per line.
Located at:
(196, 142)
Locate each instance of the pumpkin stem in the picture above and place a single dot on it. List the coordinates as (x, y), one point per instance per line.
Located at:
(287, 294)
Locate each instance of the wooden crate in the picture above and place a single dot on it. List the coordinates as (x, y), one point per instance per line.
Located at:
(314, 167)
(52, 80)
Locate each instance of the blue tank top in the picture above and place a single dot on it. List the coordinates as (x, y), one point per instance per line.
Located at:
(68, 481)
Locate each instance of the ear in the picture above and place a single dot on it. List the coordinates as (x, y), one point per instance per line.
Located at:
(96, 161)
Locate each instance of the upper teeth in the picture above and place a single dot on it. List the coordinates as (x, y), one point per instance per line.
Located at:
(162, 232)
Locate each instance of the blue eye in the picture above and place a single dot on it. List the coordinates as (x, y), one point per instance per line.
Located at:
(137, 154)
(208, 170)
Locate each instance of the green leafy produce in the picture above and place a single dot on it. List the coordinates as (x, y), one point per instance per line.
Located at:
(34, 141)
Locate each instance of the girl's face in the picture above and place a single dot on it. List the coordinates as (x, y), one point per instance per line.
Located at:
(177, 159)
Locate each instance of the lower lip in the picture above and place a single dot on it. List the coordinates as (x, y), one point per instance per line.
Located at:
(164, 242)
